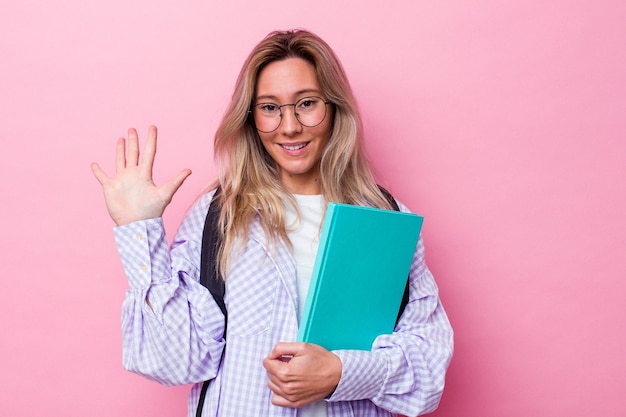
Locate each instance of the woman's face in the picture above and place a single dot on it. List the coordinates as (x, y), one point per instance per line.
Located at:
(295, 148)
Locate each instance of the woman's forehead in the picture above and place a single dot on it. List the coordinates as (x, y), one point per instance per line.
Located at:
(286, 79)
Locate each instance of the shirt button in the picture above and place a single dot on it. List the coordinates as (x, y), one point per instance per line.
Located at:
(144, 267)
(139, 237)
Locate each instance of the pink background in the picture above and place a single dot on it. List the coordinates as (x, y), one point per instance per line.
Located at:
(502, 122)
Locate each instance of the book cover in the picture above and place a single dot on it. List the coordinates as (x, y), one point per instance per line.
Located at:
(359, 276)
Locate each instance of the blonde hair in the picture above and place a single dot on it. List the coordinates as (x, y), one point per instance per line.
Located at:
(248, 176)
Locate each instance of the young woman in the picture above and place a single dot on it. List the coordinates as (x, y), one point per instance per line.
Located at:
(290, 141)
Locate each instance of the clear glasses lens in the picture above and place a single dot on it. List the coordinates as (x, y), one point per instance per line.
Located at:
(310, 112)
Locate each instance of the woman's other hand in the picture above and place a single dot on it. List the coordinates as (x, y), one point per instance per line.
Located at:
(301, 373)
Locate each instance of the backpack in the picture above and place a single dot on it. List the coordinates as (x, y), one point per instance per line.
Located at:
(211, 278)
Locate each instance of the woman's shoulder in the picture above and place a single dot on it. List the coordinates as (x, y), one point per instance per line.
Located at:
(203, 201)
(193, 223)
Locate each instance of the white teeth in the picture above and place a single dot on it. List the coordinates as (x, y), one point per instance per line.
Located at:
(295, 147)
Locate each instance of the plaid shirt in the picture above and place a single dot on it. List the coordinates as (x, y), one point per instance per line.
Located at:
(177, 338)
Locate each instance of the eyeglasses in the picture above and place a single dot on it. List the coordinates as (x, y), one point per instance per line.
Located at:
(310, 112)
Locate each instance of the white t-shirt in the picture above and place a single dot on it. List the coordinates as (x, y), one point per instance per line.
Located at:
(305, 238)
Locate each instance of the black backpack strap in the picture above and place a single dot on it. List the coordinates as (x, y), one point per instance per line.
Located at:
(405, 296)
(205, 386)
(209, 276)
(390, 199)
(211, 241)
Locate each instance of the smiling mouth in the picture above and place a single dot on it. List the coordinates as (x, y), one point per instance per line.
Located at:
(295, 147)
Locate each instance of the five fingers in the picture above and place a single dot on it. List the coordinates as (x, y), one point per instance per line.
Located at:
(128, 158)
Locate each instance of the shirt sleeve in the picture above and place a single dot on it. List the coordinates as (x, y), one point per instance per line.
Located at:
(405, 371)
(172, 328)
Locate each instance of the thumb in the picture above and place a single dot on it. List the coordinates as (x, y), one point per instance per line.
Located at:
(174, 183)
(284, 350)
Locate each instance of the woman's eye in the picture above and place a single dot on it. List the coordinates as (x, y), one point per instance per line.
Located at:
(268, 107)
(307, 104)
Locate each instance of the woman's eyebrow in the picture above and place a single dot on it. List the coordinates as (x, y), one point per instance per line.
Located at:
(297, 93)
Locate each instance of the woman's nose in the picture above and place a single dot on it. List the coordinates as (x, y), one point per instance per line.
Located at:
(290, 123)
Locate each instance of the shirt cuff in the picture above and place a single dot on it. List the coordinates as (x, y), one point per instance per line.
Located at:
(142, 246)
(362, 375)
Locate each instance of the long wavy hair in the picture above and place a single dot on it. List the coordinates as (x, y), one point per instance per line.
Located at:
(247, 174)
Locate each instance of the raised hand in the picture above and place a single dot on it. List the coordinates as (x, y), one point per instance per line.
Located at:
(131, 195)
(301, 373)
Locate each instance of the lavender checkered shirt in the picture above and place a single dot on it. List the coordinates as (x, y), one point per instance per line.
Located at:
(177, 338)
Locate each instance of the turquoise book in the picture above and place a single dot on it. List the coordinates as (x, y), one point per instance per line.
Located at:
(360, 272)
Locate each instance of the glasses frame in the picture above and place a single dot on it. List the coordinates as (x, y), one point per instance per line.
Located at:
(280, 109)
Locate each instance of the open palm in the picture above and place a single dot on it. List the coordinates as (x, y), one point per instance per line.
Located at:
(131, 194)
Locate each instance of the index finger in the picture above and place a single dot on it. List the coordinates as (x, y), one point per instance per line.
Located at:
(149, 152)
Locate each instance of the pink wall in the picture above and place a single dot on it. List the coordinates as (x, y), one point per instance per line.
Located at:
(501, 122)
